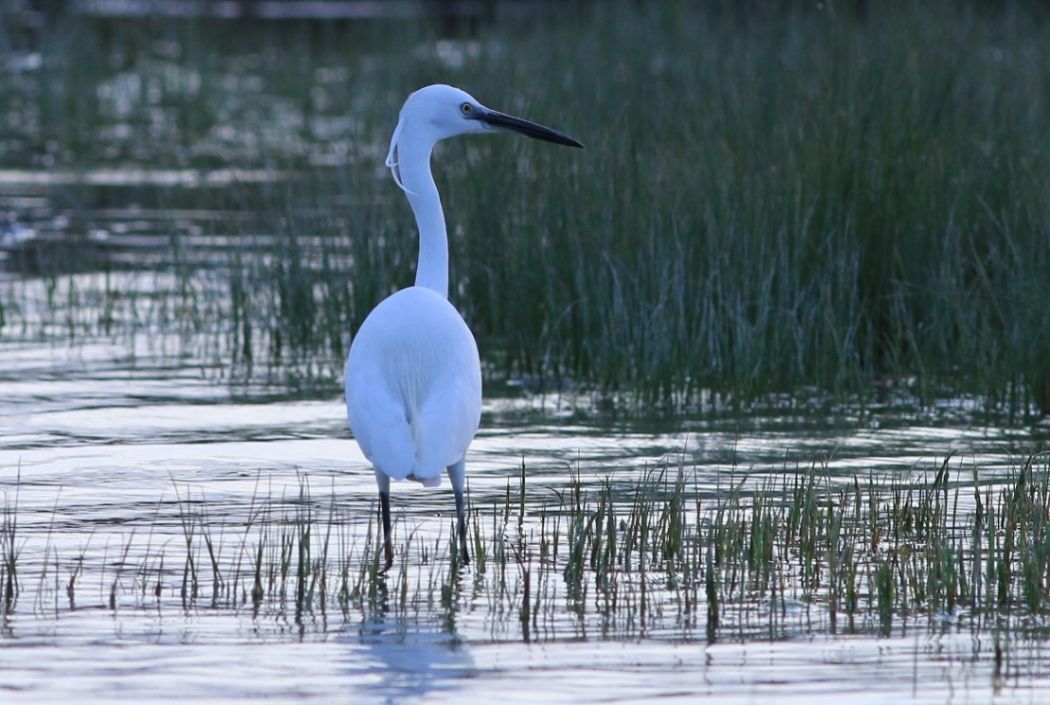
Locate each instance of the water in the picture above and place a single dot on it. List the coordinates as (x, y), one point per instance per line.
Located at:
(134, 457)
(104, 453)
(114, 441)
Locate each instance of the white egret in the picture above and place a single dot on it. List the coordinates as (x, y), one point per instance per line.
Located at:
(413, 377)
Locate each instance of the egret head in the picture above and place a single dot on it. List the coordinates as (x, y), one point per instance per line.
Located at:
(437, 112)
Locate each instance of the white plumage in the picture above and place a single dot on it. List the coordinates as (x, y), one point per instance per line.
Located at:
(413, 386)
(413, 376)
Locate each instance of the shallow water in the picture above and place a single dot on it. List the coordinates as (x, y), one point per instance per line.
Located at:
(106, 454)
(121, 439)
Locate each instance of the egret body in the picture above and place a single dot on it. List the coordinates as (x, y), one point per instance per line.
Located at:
(413, 376)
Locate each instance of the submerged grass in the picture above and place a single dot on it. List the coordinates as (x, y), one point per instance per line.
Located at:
(770, 199)
(790, 553)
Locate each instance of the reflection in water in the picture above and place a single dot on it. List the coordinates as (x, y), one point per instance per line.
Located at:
(92, 441)
(411, 656)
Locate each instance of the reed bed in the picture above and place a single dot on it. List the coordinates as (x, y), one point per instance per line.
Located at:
(791, 553)
(813, 196)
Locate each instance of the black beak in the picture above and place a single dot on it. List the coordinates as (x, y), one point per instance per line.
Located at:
(526, 127)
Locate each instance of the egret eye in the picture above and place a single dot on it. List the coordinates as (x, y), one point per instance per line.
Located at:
(466, 108)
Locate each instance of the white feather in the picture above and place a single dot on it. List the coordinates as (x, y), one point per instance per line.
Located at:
(413, 385)
(391, 158)
(413, 376)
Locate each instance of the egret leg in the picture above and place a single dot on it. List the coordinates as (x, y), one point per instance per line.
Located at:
(456, 475)
(384, 505)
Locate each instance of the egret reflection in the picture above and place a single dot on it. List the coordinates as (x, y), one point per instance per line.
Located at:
(407, 656)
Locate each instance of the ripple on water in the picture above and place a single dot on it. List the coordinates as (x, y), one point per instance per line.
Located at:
(114, 453)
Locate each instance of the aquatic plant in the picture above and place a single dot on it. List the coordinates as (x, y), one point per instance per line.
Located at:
(811, 197)
(797, 551)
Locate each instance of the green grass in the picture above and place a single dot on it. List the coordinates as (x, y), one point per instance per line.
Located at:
(792, 552)
(776, 200)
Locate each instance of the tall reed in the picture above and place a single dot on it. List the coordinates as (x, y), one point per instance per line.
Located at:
(771, 199)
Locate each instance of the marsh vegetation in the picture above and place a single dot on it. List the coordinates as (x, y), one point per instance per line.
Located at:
(648, 553)
(765, 364)
(770, 200)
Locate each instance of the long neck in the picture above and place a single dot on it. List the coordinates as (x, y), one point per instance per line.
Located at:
(414, 164)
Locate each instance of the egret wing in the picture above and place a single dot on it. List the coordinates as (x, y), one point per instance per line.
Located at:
(413, 385)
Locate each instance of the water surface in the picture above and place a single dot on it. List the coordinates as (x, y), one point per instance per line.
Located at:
(133, 451)
(106, 454)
